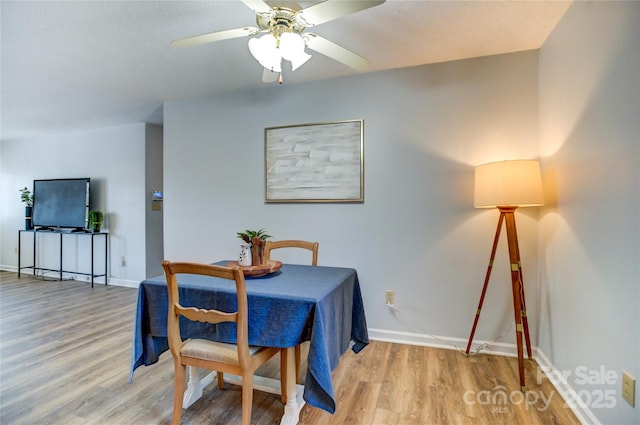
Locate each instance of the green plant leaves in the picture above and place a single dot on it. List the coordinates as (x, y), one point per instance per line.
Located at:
(248, 235)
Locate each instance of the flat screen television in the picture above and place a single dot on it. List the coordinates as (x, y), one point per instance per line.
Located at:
(61, 203)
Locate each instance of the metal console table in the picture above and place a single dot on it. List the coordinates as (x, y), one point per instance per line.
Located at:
(60, 270)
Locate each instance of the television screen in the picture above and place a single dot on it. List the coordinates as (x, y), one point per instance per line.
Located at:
(61, 203)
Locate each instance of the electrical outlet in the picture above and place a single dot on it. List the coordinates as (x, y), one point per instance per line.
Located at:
(389, 298)
(629, 388)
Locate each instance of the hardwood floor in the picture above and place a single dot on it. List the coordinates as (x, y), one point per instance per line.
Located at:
(65, 350)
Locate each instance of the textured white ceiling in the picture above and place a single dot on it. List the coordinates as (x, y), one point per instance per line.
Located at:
(74, 65)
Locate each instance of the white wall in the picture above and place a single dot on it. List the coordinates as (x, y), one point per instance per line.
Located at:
(590, 232)
(417, 232)
(114, 159)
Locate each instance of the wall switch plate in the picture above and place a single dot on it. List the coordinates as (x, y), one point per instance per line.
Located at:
(389, 297)
(629, 388)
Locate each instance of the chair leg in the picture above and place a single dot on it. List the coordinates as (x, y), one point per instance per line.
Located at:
(220, 379)
(247, 397)
(178, 392)
(283, 375)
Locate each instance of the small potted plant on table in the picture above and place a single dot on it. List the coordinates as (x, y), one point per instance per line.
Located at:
(257, 240)
(95, 220)
(27, 198)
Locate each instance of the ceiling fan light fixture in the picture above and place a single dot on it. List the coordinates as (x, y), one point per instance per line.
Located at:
(265, 51)
(283, 27)
(292, 49)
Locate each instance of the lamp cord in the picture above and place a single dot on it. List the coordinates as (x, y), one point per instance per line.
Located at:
(461, 350)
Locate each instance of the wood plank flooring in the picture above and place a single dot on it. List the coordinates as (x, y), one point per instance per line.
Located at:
(65, 350)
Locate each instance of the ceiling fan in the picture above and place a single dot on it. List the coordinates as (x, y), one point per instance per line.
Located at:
(284, 36)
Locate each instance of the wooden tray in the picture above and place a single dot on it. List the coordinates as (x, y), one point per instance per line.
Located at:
(261, 270)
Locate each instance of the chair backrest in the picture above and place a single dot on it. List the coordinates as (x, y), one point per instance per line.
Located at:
(291, 243)
(202, 315)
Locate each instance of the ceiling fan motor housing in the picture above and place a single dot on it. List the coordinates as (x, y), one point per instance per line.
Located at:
(279, 21)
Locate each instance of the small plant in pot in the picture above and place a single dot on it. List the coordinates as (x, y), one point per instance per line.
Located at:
(27, 198)
(257, 240)
(95, 220)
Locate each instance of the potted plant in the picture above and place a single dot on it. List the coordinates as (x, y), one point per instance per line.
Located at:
(95, 220)
(27, 198)
(257, 240)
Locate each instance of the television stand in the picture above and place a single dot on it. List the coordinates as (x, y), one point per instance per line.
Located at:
(61, 233)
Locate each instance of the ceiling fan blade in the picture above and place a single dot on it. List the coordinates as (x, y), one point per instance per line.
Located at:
(332, 9)
(215, 36)
(336, 52)
(269, 76)
(258, 6)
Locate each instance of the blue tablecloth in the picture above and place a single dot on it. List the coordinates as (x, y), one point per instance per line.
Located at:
(299, 303)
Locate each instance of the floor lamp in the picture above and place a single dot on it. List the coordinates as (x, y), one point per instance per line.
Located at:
(507, 185)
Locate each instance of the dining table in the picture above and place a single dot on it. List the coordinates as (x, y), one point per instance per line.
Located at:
(297, 303)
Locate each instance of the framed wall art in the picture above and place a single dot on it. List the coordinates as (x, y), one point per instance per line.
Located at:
(321, 162)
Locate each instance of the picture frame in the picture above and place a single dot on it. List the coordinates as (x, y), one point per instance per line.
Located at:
(318, 162)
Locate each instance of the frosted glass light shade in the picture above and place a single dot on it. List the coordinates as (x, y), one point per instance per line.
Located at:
(516, 183)
(265, 51)
(299, 60)
(269, 52)
(292, 49)
(290, 45)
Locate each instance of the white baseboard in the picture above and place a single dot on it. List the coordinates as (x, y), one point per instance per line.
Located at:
(125, 283)
(583, 413)
(79, 277)
(459, 344)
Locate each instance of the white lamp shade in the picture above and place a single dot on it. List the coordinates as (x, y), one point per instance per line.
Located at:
(516, 183)
(265, 51)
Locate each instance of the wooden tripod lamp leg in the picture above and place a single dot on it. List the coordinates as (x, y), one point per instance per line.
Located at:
(525, 321)
(514, 259)
(486, 281)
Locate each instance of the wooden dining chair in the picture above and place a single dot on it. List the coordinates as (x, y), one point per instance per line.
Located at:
(238, 359)
(292, 243)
